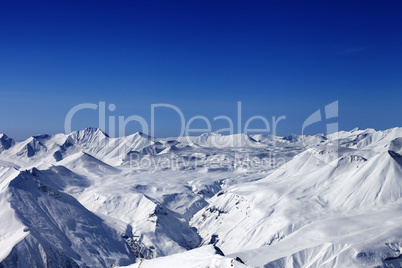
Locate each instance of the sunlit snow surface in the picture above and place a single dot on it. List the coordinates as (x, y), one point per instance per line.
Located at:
(88, 200)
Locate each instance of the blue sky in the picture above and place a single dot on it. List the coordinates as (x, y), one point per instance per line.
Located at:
(276, 57)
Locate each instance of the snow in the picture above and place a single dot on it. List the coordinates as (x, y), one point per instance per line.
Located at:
(11, 230)
(5, 142)
(57, 228)
(88, 199)
(201, 257)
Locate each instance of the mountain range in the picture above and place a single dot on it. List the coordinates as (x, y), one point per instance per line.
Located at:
(85, 199)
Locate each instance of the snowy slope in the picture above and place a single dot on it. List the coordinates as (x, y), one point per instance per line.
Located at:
(206, 256)
(56, 229)
(310, 207)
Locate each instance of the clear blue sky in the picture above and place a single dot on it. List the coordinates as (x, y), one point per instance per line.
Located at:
(277, 57)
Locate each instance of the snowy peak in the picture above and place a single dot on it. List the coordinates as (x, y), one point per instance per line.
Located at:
(5, 142)
(143, 135)
(84, 163)
(292, 138)
(88, 135)
(32, 147)
(395, 148)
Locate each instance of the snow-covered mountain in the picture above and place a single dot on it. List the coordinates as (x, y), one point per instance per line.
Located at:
(5, 142)
(88, 200)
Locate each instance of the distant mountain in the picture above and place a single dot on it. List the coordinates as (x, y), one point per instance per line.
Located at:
(5, 142)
